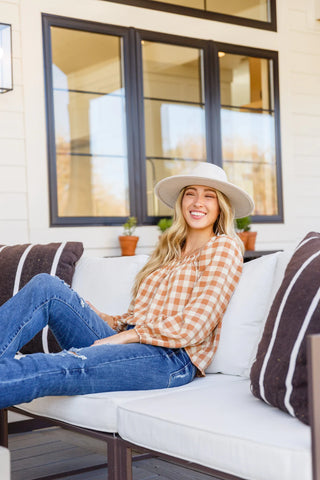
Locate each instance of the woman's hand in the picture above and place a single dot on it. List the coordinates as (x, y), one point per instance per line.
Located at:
(128, 336)
(104, 316)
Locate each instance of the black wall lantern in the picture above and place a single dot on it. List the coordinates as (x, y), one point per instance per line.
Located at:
(5, 58)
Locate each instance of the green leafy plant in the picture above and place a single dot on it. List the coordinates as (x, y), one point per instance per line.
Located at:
(164, 223)
(130, 226)
(243, 224)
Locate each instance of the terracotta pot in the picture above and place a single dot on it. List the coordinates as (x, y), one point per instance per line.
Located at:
(244, 238)
(128, 244)
(251, 241)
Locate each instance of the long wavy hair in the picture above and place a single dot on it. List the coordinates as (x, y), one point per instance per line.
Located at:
(172, 240)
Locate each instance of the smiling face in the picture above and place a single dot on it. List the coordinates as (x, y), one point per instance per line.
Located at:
(200, 208)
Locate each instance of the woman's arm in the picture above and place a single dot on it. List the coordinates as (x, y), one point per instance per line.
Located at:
(128, 336)
(116, 322)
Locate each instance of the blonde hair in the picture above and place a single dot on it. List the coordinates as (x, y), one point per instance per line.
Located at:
(172, 240)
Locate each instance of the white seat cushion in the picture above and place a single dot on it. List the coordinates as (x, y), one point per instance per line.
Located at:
(96, 411)
(222, 427)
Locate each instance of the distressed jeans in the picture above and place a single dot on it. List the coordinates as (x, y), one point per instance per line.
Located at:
(79, 368)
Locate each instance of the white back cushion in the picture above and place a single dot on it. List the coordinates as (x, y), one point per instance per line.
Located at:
(107, 282)
(245, 316)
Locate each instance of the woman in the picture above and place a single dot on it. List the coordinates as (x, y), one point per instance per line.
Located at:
(171, 330)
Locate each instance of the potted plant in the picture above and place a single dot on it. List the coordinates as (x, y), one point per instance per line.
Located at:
(243, 228)
(128, 241)
(164, 224)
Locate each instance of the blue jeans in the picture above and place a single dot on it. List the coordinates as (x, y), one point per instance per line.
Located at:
(79, 368)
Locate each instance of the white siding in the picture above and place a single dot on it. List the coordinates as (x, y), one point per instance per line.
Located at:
(24, 203)
(13, 186)
(304, 112)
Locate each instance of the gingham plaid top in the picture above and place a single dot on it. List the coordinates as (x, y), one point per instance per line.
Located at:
(182, 304)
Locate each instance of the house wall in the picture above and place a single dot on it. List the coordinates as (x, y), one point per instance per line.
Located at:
(24, 198)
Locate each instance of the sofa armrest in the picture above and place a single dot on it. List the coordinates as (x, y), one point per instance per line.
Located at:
(313, 349)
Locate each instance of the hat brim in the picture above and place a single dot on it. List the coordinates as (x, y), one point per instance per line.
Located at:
(168, 189)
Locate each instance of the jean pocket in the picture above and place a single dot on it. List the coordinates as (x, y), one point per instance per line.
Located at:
(182, 376)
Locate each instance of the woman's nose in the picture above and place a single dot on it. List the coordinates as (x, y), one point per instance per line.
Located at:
(197, 201)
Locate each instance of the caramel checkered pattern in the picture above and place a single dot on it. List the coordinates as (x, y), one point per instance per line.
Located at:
(182, 304)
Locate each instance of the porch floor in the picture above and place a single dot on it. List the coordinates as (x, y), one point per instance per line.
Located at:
(53, 450)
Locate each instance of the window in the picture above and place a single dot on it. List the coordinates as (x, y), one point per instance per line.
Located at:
(90, 124)
(251, 13)
(248, 131)
(126, 108)
(87, 127)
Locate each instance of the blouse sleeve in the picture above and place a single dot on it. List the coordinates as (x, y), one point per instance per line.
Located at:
(220, 267)
(121, 321)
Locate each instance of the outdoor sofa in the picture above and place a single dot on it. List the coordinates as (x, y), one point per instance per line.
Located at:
(215, 423)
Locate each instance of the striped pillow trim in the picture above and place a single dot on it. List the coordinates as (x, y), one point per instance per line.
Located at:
(19, 263)
(16, 286)
(279, 373)
(56, 259)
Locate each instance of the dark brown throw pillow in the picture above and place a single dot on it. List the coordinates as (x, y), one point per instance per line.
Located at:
(279, 373)
(19, 263)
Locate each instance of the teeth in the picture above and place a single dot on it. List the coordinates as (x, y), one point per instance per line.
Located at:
(197, 214)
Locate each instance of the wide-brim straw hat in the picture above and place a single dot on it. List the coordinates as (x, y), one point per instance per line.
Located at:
(209, 175)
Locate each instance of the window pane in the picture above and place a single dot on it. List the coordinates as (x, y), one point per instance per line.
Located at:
(174, 130)
(174, 112)
(90, 124)
(84, 124)
(186, 3)
(249, 156)
(248, 128)
(253, 9)
(91, 186)
(89, 61)
(245, 81)
(172, 72)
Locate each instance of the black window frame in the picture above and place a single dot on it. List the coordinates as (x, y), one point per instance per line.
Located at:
(132, 61)
(212, 147)
(196, 12)
(49, 21)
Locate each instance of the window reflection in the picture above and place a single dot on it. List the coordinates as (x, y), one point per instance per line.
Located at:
(253, 9)
(174, 113)
(91, 186)
(180, 133)
(248, 128)
(90, 124)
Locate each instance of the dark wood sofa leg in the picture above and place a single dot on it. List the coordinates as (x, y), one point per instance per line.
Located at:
(4, 428)
(313, 347)
(124, 458)
(119, 459)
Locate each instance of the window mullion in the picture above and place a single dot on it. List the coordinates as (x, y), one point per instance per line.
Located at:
(211, 70)
(129, 60)
(139, 128)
